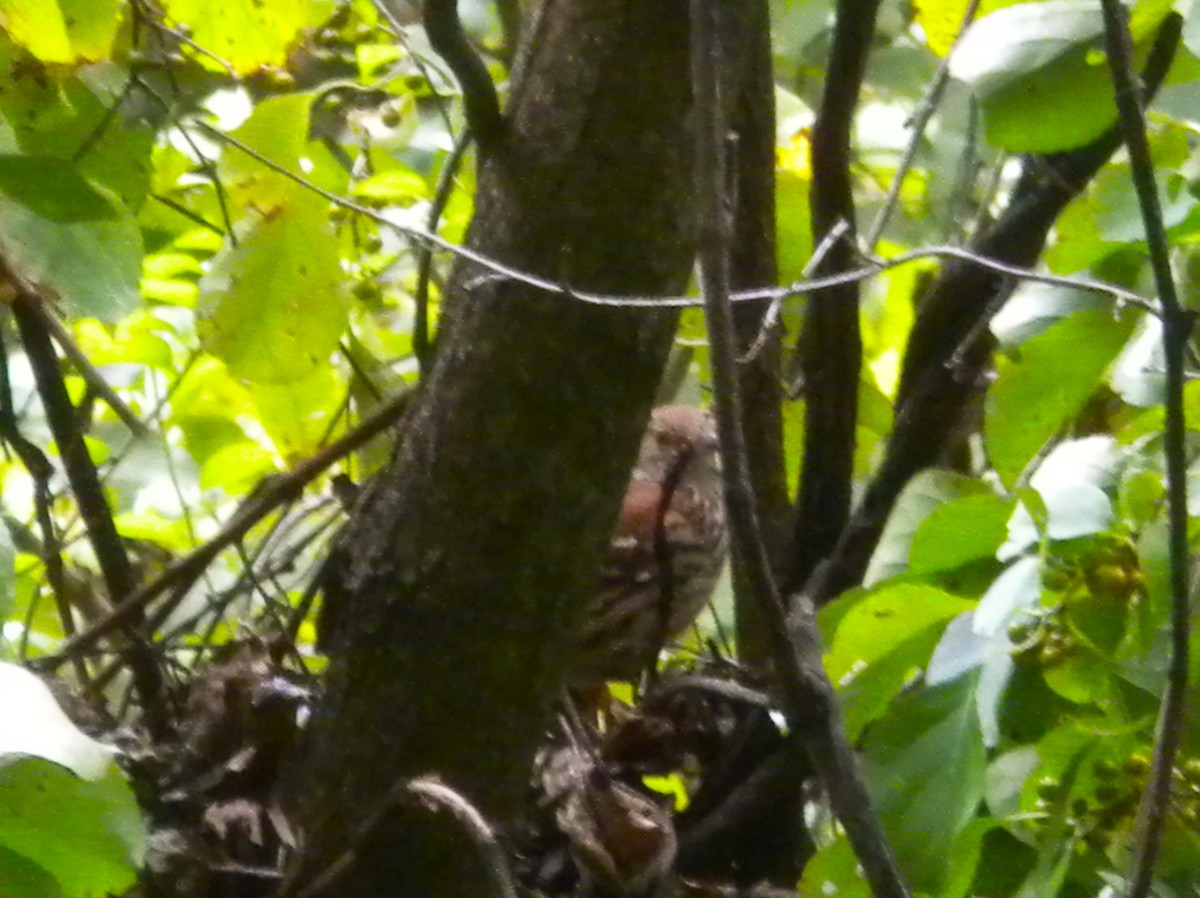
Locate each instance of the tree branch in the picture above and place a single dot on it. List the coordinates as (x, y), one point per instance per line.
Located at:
(809, 700)
(934, 390)
(752, 264)
(482, 107)
(82, 364)
(110, 553)
(470, 565)
(1176, 328)
(270, 494)
(830, 346)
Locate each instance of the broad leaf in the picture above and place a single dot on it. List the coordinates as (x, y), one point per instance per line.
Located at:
(68, 820)
(925, 763)
(1046, 386)
(920, 498)
(1001, 49)
(273, 308)
(66, 235)
(962, 530)
(881, 620)
(247, 34)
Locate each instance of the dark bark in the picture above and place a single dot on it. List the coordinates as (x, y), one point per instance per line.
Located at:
(748, 824)
(753, 265)
(467, 567)
(950, 347)
(830, 344)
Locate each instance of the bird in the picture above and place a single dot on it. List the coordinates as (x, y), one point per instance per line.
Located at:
(666, 551)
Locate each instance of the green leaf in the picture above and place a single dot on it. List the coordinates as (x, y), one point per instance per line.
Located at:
(298, 415)
(920, 498)
(1000, 49)
(1006, 777)
(1040, 86)
(1064, 105)
(247, 34)
(965, 857)
(962, 530)
(38, 26)
(66, 812)
(1033, 308)
(881, 620)
(1053, 377)
(398, 187)
(1085, 678)
(91, 26)
(278, 130)
(834, 870)
(207, 406)
(866, 696)
(273, 307)
(86, 834)
(20, 877)
(792, 222)
(80, 119)
(925, 763)
(237, 466)
(62, 233)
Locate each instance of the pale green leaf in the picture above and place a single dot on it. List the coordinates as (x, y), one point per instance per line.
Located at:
(32, 723)
(1000, 49)
(881, 620)
(273, 308)
(38, 26)
(923, 494)
(247, 34)
(963, 530)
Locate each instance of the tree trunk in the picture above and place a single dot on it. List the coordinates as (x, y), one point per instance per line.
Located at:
(467, 567)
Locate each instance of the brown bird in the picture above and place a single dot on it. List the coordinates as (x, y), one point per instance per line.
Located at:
(666, 552)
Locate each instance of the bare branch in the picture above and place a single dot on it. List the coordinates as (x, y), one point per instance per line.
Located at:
(1176, 328)
(271, 493)
(81, 473)
(809, 700)
(479, 93)
(830, 345)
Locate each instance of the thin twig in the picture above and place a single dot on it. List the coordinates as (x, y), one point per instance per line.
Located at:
(50, 549)
(97, 517)
(920, 121)
(1176, 327)
(87, 370)
(272, 492)
(441, 196)
(804, 285)
(771, 318)
(810, 703)
(187, 213)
